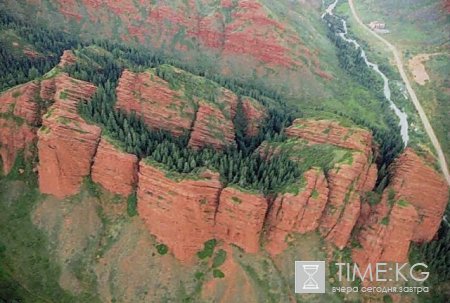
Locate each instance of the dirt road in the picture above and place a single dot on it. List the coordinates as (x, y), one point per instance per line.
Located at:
(412, 94)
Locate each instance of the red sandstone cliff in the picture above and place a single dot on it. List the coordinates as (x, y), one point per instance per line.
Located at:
(152, 98)
(179, 213)
(211, 128)
(331, 132)
(67, 143)
(67, 58)
(19, 114)
(411, 209)
(183, 214)
(299, 213)
(115, 170)
(255, 114)
(346, 181)
(240, 218)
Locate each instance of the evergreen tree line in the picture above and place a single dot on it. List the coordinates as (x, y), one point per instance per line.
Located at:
(17, 69)
(235, 167)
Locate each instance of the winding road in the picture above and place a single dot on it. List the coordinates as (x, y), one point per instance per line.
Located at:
(398, 61)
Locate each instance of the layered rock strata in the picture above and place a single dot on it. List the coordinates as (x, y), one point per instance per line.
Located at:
(240, 218)
(211, 128)
(297, 213)
(152, 98)
(115, 170)
(67, 144)
(180, 213)
(255, 115)
(19, 115)
(410, 210)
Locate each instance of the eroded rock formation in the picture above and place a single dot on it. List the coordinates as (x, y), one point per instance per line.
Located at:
(410, 210)
(211, 128)
(331, 132)
(254, 113)
(347, 180)
(19, 114)
(115, 170)
(180, 213)
(67, 58)
(67, 144)
(152, 98)
(297, 213)
(240, 218)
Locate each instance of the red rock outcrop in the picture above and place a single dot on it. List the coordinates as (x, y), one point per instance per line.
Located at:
(115, 170)
(48, 89)
(411, 209)
(419, 184)
(211, 128)
(21, 102)
(67, 58)
(240, 218)
(387, 236)
(152, 98)
(19, 114)
(14, 138)
(331, 132)
(298, 213)
(179, 213)
(255, 114)
(67, 143)
(346, 181)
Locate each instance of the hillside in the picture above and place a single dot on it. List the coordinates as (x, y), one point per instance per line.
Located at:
(215, 214)
(134, 172)
(274, 40)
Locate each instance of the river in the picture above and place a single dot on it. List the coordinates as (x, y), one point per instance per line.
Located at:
(402, 116)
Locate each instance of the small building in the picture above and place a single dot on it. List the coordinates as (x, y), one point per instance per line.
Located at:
(377, 25)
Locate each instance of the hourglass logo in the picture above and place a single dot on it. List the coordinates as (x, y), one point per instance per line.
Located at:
(310, 277)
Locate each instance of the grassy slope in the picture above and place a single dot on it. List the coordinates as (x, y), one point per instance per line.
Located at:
(86, 248)
(418, 27)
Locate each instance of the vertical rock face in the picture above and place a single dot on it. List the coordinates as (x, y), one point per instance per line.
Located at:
(19, 114)
(255, 115)
(211, 128)
(164, 107)
(411, 209)
(240, 218)
(419, 184)
(152, 98)
(13, 138)
(179, 213)
(386, 236)
(67, 144)
(113, 169)
(346, 183)
(299, 213)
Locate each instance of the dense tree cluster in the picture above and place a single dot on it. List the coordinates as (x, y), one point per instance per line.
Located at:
(234, 166)
(240, 166)
(17, 69)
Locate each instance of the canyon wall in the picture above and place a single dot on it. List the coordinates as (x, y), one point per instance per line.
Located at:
(162, 106)
(115, 170)
(180, 213)
(19, 116)
(67, 144)
(184, 211)
(410, 210)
